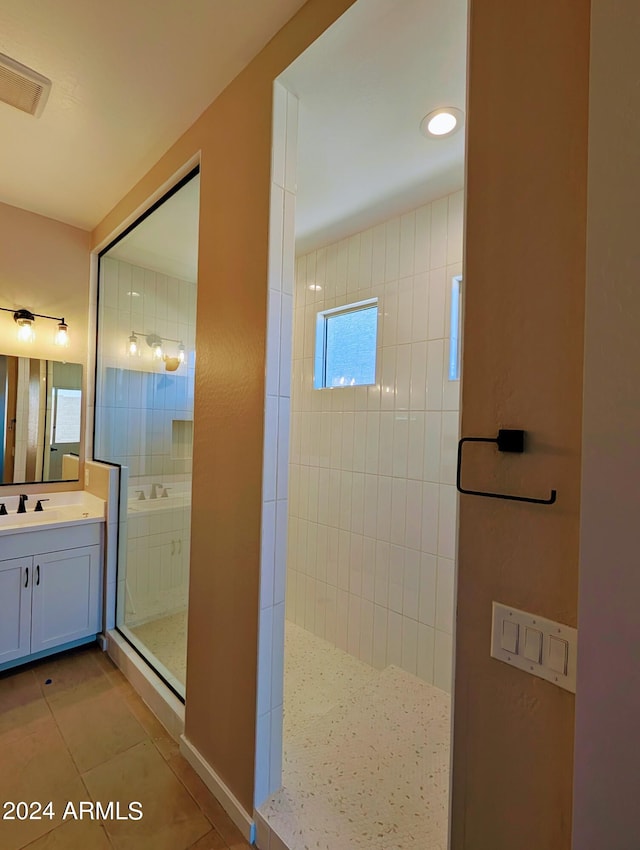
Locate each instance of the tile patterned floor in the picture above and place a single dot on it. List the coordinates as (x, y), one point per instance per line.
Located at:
(166, 637)
(366, 754)
(87, 736)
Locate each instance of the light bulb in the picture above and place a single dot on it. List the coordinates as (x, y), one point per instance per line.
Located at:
(181, 353)
(157, 351)
(133, 345)
(25, 330)
(442, 124)
(62, 334)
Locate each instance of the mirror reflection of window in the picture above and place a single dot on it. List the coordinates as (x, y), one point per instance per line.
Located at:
(38, 398)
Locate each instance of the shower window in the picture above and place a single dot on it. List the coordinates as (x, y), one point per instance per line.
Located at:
(346, 340)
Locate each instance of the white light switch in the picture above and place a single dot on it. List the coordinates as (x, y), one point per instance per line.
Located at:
(509, 640)
(558, 652)
(533, 645)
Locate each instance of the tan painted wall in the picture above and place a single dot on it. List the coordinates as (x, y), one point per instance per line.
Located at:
(44, 267)
(234, 137)
(607, 776)
(523, 355)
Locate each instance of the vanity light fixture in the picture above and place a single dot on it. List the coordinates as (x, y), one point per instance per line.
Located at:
(25, 321)
(441, 122)
(155, 341)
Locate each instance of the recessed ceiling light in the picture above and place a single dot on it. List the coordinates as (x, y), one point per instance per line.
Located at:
(441, 122)
(315, 287)
(133, 294)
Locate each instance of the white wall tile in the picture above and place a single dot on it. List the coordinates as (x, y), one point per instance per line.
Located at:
(371, 467)
(415, 449)
(420, 308)
(275, 750)
(277, 656)
(353, 265)
(267, 557)
(276, 225)
(353, 630)
(263, 740)
(422, 238)
(398, 510)
(407, 244)
(396, 578)
(291, 155)
(380, 630)
(445, 595)
(403, 377)
(400, 444)
(411, 584)
(437, 300)
(426, 644)
(455, 227)
(392, 264)
(385, 444)
(368, 568)
(418, 389)
(443, 661)
(413, 515)
(430, 509)
(342, 620)
(366, 258)
(265, 642)
(447, 522)
(409, 645)
(383, 555)
(435, 366)
(366, 632)
(427, 593)
(449, 447)
(439, 214)
(404, 327)
(288, 242)
(394, 639)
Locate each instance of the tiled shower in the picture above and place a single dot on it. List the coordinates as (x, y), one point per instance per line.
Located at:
(372, 498)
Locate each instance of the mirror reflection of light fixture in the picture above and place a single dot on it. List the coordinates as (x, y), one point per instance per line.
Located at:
(25, 320)
(155, 343)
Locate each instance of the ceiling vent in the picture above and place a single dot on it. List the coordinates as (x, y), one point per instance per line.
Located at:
(21, 87)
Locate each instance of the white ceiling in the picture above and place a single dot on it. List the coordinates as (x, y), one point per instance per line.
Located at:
(364, 88)
(128, 79)
(167, 240)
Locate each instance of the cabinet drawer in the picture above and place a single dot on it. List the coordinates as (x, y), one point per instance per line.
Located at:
(50, 540)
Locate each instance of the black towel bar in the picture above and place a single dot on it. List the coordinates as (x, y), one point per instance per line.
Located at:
(508, 440)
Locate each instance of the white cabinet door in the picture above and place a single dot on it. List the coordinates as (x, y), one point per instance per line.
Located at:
(15, 608)
(66, 597)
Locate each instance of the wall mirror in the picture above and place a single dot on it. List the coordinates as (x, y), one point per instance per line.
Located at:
(40, 420)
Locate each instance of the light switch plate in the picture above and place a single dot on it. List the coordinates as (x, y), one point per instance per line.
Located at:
(548, 629)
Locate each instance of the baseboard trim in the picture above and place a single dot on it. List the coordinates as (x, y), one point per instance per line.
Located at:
(153, 691)
(220, 791)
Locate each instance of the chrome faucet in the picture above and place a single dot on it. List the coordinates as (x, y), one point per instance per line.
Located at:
(154, 491)
(21, 507)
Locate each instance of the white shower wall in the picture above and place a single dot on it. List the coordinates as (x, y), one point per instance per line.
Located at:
(372, 498)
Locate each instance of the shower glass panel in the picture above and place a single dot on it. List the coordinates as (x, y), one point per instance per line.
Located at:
(144, 420)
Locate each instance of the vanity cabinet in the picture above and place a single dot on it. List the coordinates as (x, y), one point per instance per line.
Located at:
(48, 600)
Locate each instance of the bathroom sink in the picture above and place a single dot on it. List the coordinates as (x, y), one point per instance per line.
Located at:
(58, 516)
